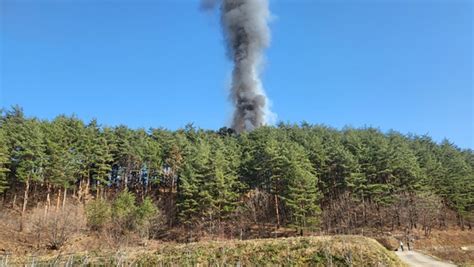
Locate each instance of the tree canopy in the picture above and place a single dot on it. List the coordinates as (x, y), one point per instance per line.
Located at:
(315, 176)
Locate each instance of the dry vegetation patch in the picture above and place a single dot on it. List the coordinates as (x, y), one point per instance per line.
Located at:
(53, 228)
(313, 251)
(453, 245)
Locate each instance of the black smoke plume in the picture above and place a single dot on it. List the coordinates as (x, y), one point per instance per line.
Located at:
(245, 26)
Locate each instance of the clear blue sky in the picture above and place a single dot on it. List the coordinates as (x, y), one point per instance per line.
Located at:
(395, 64)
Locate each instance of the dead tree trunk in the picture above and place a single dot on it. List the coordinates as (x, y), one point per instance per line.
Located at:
(58, 199)
(86, 191)
(48, 201)
(25, 202)
(14, 202)
(277, 212)
(64, 197)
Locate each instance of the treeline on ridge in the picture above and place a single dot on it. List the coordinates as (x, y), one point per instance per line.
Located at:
(309, 177)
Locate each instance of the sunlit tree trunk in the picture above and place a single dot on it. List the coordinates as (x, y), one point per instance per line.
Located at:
(64, 197)
(277, 212)
(25, 202)
(58, 199)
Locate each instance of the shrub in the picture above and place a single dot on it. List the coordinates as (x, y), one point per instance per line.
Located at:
(128, 215)
(146, 216)
(98, 214)
(54, 228)
(124, 205)
(146, 212)
(122, 217)
(124, 212)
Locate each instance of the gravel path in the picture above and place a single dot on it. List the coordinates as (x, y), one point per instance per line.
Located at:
(416, 259)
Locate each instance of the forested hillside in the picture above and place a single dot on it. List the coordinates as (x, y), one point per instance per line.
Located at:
(306, 177)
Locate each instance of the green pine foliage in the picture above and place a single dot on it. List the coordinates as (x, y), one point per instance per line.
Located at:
(302, 195)
(4, 160)
(29, 153)
(310, 176)
(98, 213)
(123, 212)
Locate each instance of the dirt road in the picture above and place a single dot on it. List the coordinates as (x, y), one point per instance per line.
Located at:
(416, 259)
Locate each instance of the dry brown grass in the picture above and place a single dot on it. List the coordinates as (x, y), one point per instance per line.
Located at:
(300, 251)
(53, 228)
(453, 245)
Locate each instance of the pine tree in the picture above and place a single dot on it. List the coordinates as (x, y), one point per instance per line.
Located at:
(30, 152)
(375, 166)
(124, 156)
(456, 187)
(193, 197)
(271, 167)
(153, 157)
(427, 154)
(405, 171)
(4, 160)
(60, 163)
(100, 158)
(188, 205)
(220, 184)
(101, 161)
(302, 194)
(30, 158)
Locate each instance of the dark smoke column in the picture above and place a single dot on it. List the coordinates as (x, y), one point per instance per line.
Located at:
(245, 25)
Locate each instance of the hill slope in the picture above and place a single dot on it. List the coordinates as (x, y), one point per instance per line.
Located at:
(314, 251)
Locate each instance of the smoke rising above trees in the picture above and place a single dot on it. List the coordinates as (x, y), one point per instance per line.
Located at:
(246, 32)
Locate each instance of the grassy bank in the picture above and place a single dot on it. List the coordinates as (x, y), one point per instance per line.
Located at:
(314, 251)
